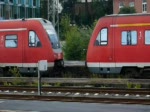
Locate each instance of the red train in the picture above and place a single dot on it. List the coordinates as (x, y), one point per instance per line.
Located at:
(24, 42)
(120, 44)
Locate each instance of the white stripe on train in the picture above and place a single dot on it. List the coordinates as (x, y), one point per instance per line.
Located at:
(137, 64)
(51, 64)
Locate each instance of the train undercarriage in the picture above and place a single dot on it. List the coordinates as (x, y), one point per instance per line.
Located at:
(75, 71)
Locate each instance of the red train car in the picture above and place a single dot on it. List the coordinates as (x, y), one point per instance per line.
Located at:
(24, 42)
(120, 44)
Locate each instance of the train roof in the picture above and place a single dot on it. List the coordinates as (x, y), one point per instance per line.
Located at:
(43, 21)
(46, 24)
(133, 14)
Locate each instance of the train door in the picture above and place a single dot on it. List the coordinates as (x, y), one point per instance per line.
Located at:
(13, 48)
(33, 48)
(105, 48)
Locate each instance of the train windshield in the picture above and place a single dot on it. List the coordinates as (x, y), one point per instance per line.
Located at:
(53, 38)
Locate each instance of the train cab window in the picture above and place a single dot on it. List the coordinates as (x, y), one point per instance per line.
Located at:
(129, 38)
(53, 39)
(102, 38)
(147, 37)
(34, 40)
(11, 41)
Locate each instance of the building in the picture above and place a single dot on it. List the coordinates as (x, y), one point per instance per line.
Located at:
(141, 6)
(12, 9)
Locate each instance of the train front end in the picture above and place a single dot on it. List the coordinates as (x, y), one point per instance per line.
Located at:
(54, 42)
(58, 54)
(91, 57)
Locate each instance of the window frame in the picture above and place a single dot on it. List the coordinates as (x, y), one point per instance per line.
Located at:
(19, 1)
(36, 39)
(145, 37)
(132, 4)
(11, 1)
(99, 40)
(34, 2)
(129, 38)
(121, 4)
(11, 39)
(27, 2)
(144, 6)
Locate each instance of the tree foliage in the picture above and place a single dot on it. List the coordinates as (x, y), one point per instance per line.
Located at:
(44, 9)
(64, 26)
(98, 9)
(72, 47)
(88, 11)
(77, 39)
(127, 10)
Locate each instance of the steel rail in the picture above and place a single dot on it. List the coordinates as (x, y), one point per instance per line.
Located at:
(77, 80)
(76, 99)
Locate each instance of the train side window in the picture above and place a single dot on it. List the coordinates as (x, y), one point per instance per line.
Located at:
(129, 38)
(34, 40)
(147, 37)
(102, 38)
(11, 41)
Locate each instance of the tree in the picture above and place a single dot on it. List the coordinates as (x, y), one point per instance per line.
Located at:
(64, 26)
(101, 8)
(72, 47)
(77, 39)
(68, 8)
(44, 9)
(127, 10)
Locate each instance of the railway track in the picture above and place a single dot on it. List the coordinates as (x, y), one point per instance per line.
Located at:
(76, 94)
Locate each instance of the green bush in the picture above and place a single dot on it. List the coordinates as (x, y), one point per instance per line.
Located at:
(127, 10)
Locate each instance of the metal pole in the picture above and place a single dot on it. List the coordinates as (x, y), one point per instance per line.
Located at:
(48, 10)
(39, 83)
(58, 18)
(53, 13)
(25, 11)
(0, 11)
